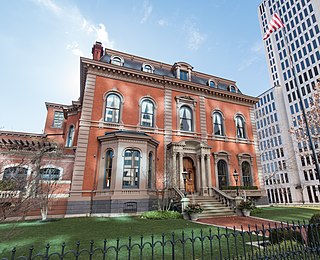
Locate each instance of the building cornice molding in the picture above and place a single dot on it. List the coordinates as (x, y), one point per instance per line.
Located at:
(117, 72)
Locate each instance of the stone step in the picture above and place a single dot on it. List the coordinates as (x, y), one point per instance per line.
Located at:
(211, 207)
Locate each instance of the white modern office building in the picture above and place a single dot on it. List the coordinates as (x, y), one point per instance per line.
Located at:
(287, 164)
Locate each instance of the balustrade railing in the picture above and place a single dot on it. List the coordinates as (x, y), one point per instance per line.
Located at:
(224, 198)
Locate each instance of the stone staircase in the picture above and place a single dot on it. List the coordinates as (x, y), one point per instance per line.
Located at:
(211, 207)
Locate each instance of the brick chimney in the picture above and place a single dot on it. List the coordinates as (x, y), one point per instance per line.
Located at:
(97, 51)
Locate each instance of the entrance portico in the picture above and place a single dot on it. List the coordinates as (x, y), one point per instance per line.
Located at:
(192, 157)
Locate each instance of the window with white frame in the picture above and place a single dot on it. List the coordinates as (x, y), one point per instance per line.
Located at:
(108, 170)
(113, 105)
(246, 174)
(147, 113)
(116, 60)
(147, 68)
(131, 169)
(70, 136)
(240, 127)
(50, 174)
(186, 120)
(218, 128)
(57, 119)
(211, 83)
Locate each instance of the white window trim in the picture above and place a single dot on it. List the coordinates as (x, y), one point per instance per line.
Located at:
(114, 57)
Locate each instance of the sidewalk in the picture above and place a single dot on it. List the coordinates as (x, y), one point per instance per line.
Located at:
(239, 221)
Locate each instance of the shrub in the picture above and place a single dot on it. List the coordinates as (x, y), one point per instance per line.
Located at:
(314, 230)
(256, 211)
(276, 236)
(245, 204)
(193, 208)
(7, 185)
(158, 214)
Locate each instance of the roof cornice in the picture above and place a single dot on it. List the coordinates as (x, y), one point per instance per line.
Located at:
(127, 74)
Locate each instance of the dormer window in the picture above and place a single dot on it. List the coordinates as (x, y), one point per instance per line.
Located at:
(182, 71)
(232, 89)
(116, 60)
(211, 83)
(147, 68)
(183, 75)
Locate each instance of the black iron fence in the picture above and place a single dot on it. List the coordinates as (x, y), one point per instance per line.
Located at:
(282, 241)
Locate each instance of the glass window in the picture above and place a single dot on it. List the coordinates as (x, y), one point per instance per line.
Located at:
(147, 113)
(131, 169)
(18, 175)
(246, 174)
(183, 75)
(147, 68)
(112, 108)
(108, 170)
(70, 136)
(186, 123)
(58, 119)
(49, 174)
(240, 126)
(150, 171)
(116, 61)
(218, 124)
(212, 84)
(222, 174)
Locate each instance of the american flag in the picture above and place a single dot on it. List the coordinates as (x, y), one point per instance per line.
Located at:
(274, 24)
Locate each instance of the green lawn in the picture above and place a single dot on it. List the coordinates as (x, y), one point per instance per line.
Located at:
(287, 213)
(86, 229)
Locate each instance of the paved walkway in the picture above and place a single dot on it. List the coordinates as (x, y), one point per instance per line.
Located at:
(239, 221)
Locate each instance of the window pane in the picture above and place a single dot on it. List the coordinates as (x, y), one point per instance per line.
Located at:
(49, 174)
(58, 119)
(185, 119)
(147, 111)
(131, 169)
(108, 170)
(112, 108)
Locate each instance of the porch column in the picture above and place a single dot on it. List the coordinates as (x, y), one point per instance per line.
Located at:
(199, 180)
(181, 170)
(174, 169)
(209, 174)
(204, 187)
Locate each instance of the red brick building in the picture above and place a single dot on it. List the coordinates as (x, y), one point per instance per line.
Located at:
(139, 124)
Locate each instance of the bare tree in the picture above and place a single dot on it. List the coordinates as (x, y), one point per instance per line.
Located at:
(24, 193)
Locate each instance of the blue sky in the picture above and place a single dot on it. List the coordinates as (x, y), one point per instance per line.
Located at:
(41, 42)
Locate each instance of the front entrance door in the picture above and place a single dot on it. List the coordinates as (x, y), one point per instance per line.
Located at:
(191, 178)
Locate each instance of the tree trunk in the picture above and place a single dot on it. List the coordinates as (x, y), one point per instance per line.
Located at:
(44, 213)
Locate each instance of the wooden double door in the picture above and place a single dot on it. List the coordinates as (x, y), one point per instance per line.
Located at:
(188, 166)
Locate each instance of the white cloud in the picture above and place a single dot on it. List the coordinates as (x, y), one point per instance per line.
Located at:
(247, 63)
(78, 27)
(258, 47)
(194, 37)
(50, 5)
(147, 10)
(75, 49)
(162, 22)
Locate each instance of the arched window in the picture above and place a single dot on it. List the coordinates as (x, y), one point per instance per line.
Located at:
(222, 174)
(131, 169)
(49, 174)
(240, 126)
(70, 136)
(246, 174)
(186, 123)
(147, 68)
(218, 128)
(147, 113)
(116, 61)
(18, 175)
(232, 89)
(113, 105)
(150, 171)
(108, 170)
(211, 83)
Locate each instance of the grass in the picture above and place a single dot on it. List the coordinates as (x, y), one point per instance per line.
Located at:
(287, 213)
(70, 231)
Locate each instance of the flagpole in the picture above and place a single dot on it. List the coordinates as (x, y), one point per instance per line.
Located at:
(304, 115)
